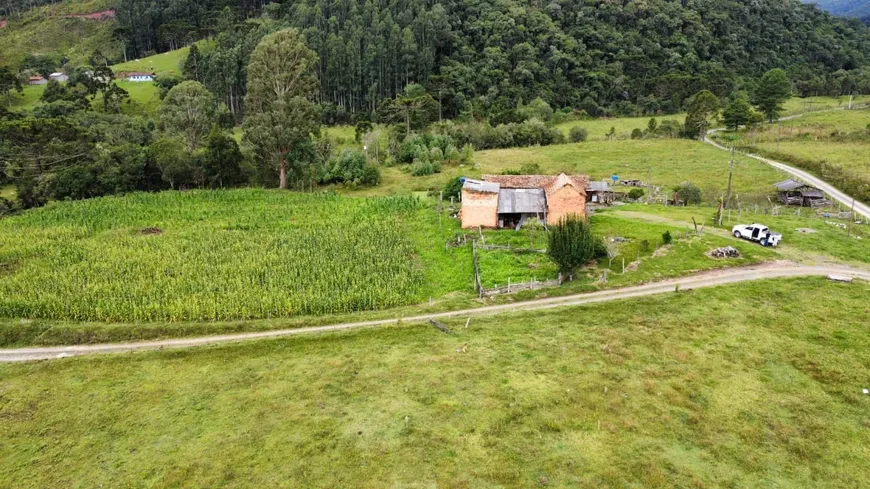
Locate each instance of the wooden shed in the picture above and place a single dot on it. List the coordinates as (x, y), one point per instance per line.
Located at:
(792, 192)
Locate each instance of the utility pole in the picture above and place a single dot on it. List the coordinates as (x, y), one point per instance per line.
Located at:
(728, 192)
(778, 135)
(850, 101)
(649, 184)
(851, 218)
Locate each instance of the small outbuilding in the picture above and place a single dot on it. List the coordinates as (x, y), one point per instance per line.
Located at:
(59, 77)
(36, 80)
(600, 193)
(792, 192)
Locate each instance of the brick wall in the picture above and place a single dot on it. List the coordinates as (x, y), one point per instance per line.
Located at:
(565, 201)
(479, 209)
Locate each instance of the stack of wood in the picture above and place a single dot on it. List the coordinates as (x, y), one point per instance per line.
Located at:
(725, 252)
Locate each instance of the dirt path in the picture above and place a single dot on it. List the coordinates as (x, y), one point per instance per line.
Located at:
(836, 194)
(706, 279)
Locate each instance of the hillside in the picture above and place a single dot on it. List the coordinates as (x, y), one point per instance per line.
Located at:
(52, 30)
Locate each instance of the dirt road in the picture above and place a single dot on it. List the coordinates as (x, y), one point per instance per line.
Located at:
(706, 279)
(860, 208)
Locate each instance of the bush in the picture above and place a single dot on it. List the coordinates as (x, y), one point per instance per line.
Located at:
(635, 193)
(689, 193)
(571, 243)
(453, 188)
(666, 237)
(422, 167)
(637, 133)
(350, 167)
(578, 134)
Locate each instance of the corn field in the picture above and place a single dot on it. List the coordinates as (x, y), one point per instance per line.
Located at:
(208, 255)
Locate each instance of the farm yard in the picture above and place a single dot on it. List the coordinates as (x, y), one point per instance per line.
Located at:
(706, 388)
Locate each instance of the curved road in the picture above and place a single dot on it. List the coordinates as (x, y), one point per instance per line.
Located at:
(706, 279)
(836, 194)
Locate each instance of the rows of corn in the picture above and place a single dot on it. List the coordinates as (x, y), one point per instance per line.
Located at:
(207, 255)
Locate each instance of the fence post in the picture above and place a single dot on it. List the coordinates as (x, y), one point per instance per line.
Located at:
(509, 285)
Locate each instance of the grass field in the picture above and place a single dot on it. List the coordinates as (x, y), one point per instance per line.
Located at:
(853, 157)
(671, 161)
(751, 385)
(217, 255)
(144, 98)
(624, 125)
(168, 63)
(828, 240)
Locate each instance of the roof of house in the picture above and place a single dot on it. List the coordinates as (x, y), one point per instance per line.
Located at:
(58, 73)
(522, 201)
(34, 78)
(549, 183)
(138, 73)
(478, 186)
(598, 186)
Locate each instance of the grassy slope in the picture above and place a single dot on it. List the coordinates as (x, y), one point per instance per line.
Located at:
(711, 388)
(46, 31)
(854, 156)
(144, 98)
(672, 162)
(168, 63)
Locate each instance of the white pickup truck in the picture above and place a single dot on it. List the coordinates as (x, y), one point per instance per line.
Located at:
(757, 232)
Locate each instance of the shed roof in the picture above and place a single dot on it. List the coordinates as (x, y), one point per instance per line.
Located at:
(598, 187)
(786, 185)
(522, 201)
(478, 186)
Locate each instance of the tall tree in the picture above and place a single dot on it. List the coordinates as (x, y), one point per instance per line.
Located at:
(189, 109)
(702, 106)
(221, 160)
(773, 91)
(737, 111)
(281, 86)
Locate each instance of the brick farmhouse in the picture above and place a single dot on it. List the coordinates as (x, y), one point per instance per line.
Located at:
(499, 201)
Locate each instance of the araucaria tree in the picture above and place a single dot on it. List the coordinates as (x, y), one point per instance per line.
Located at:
(774, 89)
(189, 110)
(280, 112)
(571, 243)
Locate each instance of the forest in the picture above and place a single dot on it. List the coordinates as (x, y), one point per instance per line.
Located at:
(603, 57)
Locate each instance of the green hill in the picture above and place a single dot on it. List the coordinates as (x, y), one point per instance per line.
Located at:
(47, 30)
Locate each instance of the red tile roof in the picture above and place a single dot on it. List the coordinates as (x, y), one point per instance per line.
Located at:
(550, 183)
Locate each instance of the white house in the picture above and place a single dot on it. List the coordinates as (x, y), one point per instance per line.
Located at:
(58, 77)
(140, 76)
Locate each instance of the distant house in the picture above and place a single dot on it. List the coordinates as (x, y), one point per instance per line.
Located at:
(58, 77)
(36, 80)
(508, 201)
(797, 193)
(139, 76)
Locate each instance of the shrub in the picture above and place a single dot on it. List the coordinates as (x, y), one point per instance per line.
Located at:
(422, 167)
(635, 193)
(578, 134)
(571, 243)
(636, 133)
(689, 193)
(350, 167)
(453, 188)
(666, 237)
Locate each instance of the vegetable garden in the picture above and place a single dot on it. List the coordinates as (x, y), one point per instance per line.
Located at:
(203, 255)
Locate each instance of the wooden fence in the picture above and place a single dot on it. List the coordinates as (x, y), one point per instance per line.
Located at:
(510, 288)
